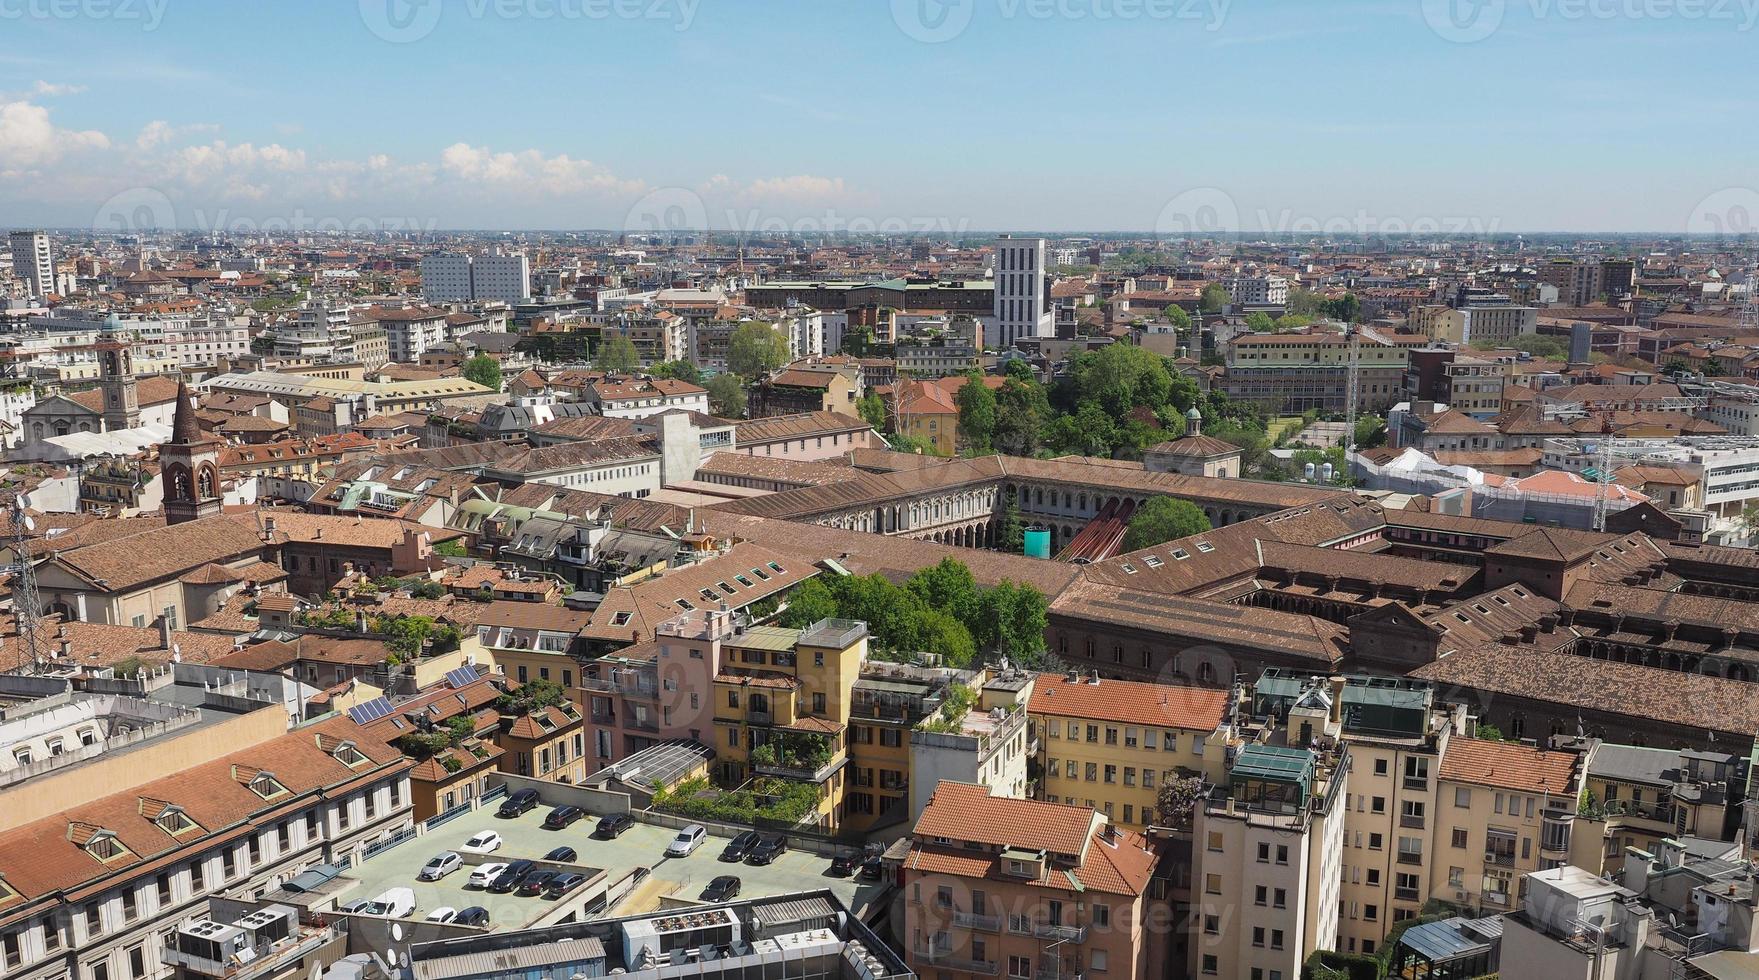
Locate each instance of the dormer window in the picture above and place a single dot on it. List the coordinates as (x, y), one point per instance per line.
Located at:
(174, 821)
(350, 756)
(105, 847)
(266, 786)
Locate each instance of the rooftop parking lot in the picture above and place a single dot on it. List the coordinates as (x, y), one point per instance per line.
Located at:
(643, 845)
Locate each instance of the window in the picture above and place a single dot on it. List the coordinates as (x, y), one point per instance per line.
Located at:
(13, 953)
(1097, 960)
(1459, 837)
(1276, 939)
(1261, 895)
(137, 962)
(1258, 936)
(1212, 884)
(1215, 841)
(1209, 964)
(1463, 796)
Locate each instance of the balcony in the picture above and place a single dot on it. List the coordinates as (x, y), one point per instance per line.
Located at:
(1406, 894)
(1500, 859)
(1410, 821)
(944, 958)
(1417, 782)
(1408, 857)
(1045, 930)
(647, 725)
(759, 716)
(980, 923)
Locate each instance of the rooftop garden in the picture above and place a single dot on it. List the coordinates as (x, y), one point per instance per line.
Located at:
(794, 750)
(765, 800)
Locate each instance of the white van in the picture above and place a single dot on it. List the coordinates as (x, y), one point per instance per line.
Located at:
(395, 902)
(688, 839)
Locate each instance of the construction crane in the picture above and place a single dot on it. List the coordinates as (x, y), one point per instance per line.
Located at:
(1603, 463)
(27, 609)
(1351, 382)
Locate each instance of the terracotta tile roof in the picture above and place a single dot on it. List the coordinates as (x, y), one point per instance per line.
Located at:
(153, 390)
(967, 812)
(1129, 702)
(163, 552)
(1508, 765)
(784, 427)
(629, 613)
(40, 859)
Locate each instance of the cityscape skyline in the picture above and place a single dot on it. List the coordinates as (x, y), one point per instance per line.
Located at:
(1214, 116)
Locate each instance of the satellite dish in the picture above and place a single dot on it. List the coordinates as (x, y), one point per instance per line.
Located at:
(24, 501)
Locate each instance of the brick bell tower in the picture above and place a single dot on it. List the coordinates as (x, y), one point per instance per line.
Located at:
(191, 464)
(116, 380)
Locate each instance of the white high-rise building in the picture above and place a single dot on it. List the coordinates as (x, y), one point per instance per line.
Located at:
(1022, 306)
(451, 277)
(33, 262)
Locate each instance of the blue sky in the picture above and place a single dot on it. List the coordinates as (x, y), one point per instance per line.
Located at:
(1266, 115)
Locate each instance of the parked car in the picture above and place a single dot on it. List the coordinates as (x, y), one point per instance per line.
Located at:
(394, 902)
(723, 889)
(476, 915)
(534, 883)
(517, 802)
(843, 865)
(359, 905)
(739, 846)
(562, 816)
(872, 868)
(482, 842)
(444, 913)
(509, 879)
(485, 873)
(563, 883)
(439, 866)
(563, 853)
(767, 849)
(688, 840)
(612, 825)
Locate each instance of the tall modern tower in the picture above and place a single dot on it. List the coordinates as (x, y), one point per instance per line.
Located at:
(33, 262)
(1022, 303)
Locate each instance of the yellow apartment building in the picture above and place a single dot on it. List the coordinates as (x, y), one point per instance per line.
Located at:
(1503, 809)
(1110, 745)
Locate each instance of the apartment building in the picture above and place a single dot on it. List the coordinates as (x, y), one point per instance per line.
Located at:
(1259, 291)
(1022, 294)
(1502, 810)
(495, 275)
(1462, 325)
(1267, 854)
(1025, 888)
(410, 331)
(1297, 371)
(33, 262)
(983, 742)
(1111, 745)
(90, 893)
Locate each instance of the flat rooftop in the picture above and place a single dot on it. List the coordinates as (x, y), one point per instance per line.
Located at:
(642, 846)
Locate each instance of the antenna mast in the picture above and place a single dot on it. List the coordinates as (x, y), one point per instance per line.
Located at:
(27, 609)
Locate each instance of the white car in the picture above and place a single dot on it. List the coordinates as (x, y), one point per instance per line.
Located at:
(482, 842)
(442, 914)
(439, 866)
(688, 839)
(485, 873)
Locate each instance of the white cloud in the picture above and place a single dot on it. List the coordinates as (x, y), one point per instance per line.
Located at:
(531, 169)
(801, 187)
(52, 89)
(28, 138)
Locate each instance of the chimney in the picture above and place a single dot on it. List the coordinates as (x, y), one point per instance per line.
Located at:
(1548, 622)
(1529, 633)
(164, 633)
(1093, 677)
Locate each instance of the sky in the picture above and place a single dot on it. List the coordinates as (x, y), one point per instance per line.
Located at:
(935, 116)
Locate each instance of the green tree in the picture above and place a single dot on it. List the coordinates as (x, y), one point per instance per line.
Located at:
(948, 586)
(1260, 322)
(1294, 321)
(484, 370)
(1214, 298)
(726, 396)
(679, 370)
(898, 442)
(755, 349)
(1011, 534)
(1163, 519)
(1346, 308)
(1177, 801)
(810, 602)
(1304, 303)
(618, 355)
(1370, 432)
(1538, 345)
(533, 695)
(1176, 315)
(1021, 410)
(977, 412)
(873, 411)
(1014, 622)
(1089, 432)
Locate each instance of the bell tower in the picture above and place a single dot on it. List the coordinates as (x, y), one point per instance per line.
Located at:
(116, 379)
(191, 464)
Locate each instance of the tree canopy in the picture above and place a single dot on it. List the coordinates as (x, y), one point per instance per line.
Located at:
(1215, 298)
(726, 396)
(1163, 519)
(618, 355)
(484, 370)
(755, 349)
(678, 370)
(977, 412)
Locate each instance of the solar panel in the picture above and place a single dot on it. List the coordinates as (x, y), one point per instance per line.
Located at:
(460, 676)
(370, 711)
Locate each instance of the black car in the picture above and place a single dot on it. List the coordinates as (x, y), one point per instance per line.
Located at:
(519, 802)
(534, 883)
(562, 816)
(767, 849)
(509, 879)
(722, 889)
(871, 868)
(739, 846)
(563, 883)
(613, 825)
(476, 915)
(563, 853)
(843, 865)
